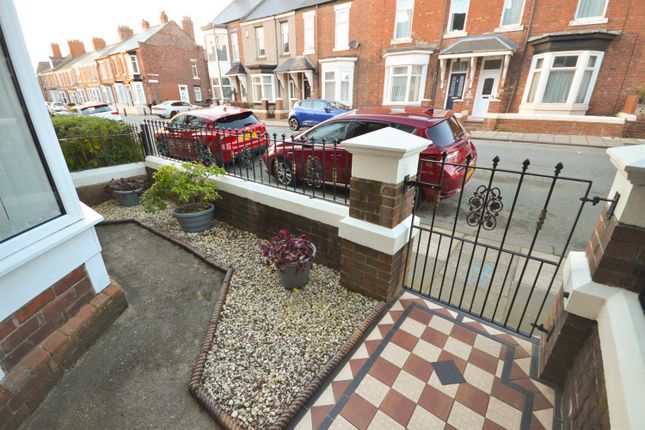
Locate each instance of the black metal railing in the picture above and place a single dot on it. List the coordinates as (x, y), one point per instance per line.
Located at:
(487, 258)
(318, 169)
(91, 149)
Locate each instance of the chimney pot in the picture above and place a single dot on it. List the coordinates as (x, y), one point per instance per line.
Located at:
(98, 43)
(145, 24)
(76, 48)
(56, 50)
(187, 25)
(163, 17)
(125, 32)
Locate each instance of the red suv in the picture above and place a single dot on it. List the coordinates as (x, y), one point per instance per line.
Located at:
(314, 150)
(219, 133)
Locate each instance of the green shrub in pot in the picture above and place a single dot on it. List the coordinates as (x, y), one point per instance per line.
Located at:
(189, 187)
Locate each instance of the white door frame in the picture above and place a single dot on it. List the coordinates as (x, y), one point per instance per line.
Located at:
(479, 100)
(184, 88)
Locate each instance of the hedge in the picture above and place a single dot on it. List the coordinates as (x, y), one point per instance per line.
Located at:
(89, 142)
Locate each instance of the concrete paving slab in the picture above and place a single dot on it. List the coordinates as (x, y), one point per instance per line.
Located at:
(136, 375)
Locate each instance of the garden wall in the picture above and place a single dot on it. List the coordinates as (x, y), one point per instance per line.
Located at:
(90, 183)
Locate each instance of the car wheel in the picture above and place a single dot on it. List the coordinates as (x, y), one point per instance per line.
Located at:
(283, 172)
(293, 123)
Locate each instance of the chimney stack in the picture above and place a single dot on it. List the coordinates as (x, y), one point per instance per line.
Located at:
(98, 43)
(187, 25)
(145, 24)
(125, 32)
(163, 17)
(56, 50)
(76, 48)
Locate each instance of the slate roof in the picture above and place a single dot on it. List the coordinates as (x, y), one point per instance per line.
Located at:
(42, 66)
(294, 64)
(277, 7)
(474, 44)
(236, 10)
(236, 69)
(133, 42)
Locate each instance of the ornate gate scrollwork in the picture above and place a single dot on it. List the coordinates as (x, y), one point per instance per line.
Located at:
(204, 154)
(493, 207)
(313, 172)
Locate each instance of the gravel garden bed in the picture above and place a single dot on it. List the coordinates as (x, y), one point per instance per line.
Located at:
(270, 343)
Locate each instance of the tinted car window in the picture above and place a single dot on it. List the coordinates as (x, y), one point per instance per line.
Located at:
(444, 133)
(330, 132)
(195, 122)
(240, 120)
(306, 104)
(338, 105)
(176, 104)
(363, 127)
(178, 121)
(96, 109)
(319, 105)
(185, 104)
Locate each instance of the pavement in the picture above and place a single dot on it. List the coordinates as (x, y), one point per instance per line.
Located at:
(136, 375)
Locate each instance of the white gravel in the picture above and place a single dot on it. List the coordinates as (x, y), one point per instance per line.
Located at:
(270, 342)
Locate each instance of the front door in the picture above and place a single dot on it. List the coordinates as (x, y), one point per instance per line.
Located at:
(455, 88)
(183, 93)
(486, 86)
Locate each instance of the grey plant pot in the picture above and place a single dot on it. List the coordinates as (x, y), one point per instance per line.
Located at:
(194, 222)
(293, 277)
(128, 198)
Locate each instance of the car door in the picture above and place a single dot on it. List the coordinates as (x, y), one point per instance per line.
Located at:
(318, 159)
(306, 110)
(320, 111)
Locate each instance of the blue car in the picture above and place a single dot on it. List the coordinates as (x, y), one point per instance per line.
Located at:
(313, 111)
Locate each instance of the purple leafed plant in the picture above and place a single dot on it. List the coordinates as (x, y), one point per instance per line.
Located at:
(124, 184)
(287, 248)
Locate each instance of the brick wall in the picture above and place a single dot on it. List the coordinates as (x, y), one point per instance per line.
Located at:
(31, 324)
(383, 204)
(28, 382)
(561, 127)
(584, 395)
(635, 129)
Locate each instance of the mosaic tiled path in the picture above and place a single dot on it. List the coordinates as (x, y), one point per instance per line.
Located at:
(428, 367)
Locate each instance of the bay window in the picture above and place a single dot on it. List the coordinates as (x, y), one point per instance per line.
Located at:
(403, 19)
(457, 18)
(309, 32)
(263, 87)
(221, 47)
(403, 84)
(223, 91)
(341, 31)
(562, 81)
(338, 79)
(512, 13)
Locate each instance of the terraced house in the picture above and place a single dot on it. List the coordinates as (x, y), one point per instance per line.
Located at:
(158, 63)
(524, 65)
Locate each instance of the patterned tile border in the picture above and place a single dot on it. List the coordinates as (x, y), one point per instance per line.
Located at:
(204, 397)
(458, 318)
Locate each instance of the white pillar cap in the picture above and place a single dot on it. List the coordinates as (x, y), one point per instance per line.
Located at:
(387, 155)
(630, 183)
(631, 161)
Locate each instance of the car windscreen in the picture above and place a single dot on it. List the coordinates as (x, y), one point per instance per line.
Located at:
(446, 132)
(96, 109)
(338, 105)
(236, 121)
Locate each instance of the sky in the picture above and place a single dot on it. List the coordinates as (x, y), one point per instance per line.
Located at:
(47, 21)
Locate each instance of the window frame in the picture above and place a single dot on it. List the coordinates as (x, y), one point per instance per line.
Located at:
(463, 31)
(507, 27)
(309, 33)
(569, 105)
(590, 20)
(134, 63)
(221, 47)
(339, 10)
(194, 68)
(407, 38)
(197, 90)
(235, 48)
(259, 37)
(262, 84)
(284, 25)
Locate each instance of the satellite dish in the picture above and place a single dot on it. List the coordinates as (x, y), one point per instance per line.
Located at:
(354, 44)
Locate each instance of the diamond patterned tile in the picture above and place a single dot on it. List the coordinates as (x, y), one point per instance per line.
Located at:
(398, 407)
(450, 390)
(383, 421)
(463, 334)
(473, 397)
(427, 351)
(345, 373)
(545, 417)
(484, 361)
(395, 354)
(434, 337)
(441, 324)
(413, 327)
(405, 340)
(464, 418)
(384, 371)
(507, 394)
(326, 398)
(447, 372)
(418, 367)
(356, 365)
(503, 414)
(409, 385)
(423, 420)
(341, 423)
(305, 423)
(358, 411)
(458, 348)
(487, 345)
(372, 390)
(479, 378)
(318, 414)
(436, 402)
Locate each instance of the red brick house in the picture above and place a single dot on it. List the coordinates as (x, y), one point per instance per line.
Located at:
(160, 62)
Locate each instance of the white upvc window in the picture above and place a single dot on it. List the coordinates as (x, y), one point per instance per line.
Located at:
(341, 30)
(259, 42)
(457, 17)
(284, 37)
(195, 70)
(139, 93)
(590, 12)
(403, 20)
(338, 80)
(210, 48)
(221, 44)
(235, 49)
(134, 64)
(263, 87)
(102, 68)
(308, 19)
(226, 87)
(198, 94)
(512, 13)
(404, 84)
(561, 82)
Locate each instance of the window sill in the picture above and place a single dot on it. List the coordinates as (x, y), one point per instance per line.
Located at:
(386, 103)
(264, 57)
(453, 34)
(308, 52)
(340, 49)
(588, 21)
(509, 28)
(399, 41)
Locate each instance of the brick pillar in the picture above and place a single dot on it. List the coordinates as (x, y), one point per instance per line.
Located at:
(494, 106)
(375, 235)
(280, 111)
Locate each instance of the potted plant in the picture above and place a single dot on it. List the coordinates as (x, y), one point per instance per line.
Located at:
(187, 185)
(292, 255)
(126, 190)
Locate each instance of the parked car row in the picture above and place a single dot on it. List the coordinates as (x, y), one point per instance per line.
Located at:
(223, 134)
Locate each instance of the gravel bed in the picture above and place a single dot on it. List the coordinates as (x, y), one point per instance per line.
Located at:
(270, 343)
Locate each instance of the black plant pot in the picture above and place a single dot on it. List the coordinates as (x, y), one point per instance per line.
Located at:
(294, 276)
(128, 198)
(194, 222)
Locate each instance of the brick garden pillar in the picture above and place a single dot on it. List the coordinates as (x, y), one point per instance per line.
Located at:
(375, 235)
(595, 348)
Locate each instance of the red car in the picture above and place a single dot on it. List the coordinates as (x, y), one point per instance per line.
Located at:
(315, 162)
(218, 134)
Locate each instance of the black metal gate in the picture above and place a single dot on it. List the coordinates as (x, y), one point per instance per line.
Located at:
(486, 250)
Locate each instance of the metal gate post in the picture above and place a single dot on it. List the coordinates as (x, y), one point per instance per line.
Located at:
(375, 235)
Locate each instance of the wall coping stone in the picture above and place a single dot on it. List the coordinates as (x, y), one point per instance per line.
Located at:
(106, 174)
(383, 239)
(565, 118)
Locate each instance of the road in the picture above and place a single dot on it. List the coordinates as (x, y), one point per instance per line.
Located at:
(584, 163)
